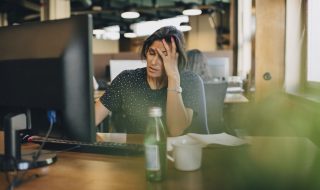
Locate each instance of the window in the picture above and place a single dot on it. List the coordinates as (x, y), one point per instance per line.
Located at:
(313, 42)
(302, 68)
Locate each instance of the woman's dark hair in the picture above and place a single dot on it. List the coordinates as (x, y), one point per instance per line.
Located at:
(198, 63)
(166, 33)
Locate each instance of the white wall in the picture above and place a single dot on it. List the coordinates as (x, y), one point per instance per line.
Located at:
(202, 36)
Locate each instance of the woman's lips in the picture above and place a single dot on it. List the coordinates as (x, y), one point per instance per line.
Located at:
(151, 69)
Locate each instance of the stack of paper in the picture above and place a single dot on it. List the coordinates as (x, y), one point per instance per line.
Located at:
(211, 139)
(234, 90)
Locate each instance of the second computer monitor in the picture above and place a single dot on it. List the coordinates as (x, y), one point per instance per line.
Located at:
(219, 67)
(117, 66)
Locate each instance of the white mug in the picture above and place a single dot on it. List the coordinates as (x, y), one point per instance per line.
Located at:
(187, 154)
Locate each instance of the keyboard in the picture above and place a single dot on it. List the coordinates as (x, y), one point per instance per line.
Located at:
(108, 148)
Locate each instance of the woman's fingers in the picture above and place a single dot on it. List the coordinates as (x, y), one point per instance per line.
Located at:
(166, 46)
(169, 57)
(173, 46)
(163, 57)
(171, 51)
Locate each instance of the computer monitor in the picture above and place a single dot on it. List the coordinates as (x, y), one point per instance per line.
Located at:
(117, 66)
(219, 67)
(48, 66)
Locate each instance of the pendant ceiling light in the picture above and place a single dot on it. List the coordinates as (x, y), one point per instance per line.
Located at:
(130, 13)
(192, 9)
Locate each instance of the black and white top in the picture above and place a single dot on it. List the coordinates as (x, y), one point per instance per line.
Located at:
(130, 97)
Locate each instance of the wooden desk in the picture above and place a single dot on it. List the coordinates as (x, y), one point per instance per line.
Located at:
(268, 163)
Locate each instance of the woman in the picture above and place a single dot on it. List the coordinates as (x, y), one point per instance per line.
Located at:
(161, 84)
(198, 63)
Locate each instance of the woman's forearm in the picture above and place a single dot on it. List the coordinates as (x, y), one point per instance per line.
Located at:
(101, 112)
(178, 116)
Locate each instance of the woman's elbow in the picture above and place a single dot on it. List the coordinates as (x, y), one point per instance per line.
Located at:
(175, 133)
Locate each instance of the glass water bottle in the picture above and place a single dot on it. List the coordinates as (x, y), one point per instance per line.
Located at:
(155, 142)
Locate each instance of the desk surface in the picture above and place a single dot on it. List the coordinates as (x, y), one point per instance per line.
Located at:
(271, 163)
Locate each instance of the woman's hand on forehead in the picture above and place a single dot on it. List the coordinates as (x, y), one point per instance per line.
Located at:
(169, 57)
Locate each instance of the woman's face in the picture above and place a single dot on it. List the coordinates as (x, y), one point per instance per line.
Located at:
(155, 67)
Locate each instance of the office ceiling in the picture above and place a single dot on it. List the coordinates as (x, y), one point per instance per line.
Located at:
(107, 12)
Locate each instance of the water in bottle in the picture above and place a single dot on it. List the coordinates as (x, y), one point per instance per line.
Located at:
(155, 142)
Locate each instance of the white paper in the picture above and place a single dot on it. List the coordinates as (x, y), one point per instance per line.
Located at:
(234, 89)
(112, 137)
(220, 139)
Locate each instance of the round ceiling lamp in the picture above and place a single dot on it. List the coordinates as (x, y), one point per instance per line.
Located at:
(185, 26)
(130, 13)
(192, 10)
(129, 34)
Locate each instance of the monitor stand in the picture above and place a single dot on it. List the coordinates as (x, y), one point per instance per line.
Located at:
(12, 159)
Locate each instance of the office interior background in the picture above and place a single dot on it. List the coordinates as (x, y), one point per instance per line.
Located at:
(270, 45)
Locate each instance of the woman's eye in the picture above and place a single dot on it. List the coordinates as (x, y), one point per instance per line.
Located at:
(152, 53)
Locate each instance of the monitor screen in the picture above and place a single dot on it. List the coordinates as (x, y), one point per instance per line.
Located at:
(117, 66)
(219, 67)
(47, 66)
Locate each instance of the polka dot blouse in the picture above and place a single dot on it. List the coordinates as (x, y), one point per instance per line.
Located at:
(130, 97)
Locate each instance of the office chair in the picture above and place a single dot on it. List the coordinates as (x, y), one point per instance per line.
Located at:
(199, 120)
(215, 93)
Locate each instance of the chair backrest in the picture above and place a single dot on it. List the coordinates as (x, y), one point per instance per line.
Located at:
(199, 121)
(215, 93)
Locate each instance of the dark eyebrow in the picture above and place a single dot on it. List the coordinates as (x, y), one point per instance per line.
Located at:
(151, 49)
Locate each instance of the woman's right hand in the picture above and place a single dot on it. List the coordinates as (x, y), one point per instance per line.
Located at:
(170, 60)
